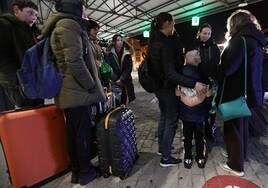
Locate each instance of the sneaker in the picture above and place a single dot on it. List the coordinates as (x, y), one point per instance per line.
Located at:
(160, 152)
(188, 163)
(201, 163)
(90, 175)
(225, 167)
(171, 161)
(75, 176)
(224, 153)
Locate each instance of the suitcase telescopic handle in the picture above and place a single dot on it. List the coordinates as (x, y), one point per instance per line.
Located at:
(106, 124)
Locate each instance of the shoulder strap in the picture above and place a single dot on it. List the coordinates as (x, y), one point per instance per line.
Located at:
(246, 63)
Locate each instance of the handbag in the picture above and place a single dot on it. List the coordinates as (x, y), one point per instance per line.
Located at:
(238, 107)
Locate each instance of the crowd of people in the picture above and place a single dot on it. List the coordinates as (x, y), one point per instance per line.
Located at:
(187, 86)
(211, 68)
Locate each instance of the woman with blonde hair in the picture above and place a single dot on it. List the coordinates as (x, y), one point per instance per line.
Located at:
(240, 24)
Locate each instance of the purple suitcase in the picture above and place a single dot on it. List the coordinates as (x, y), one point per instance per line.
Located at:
(117, 146)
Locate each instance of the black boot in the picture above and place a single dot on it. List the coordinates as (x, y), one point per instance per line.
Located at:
(88, 175)
(75, 176)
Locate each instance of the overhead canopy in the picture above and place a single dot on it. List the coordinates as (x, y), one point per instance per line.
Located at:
(132, 17)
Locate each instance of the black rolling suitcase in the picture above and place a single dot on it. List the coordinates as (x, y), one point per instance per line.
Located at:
(117, 146)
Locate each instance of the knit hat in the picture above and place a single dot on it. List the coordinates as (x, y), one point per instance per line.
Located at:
(192, 57)
(74, 7)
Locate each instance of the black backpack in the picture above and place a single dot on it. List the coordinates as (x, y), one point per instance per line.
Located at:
(145, 75)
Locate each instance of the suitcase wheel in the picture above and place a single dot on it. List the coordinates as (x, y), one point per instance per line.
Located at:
(122, 177)
(137, 157)
(105, 175)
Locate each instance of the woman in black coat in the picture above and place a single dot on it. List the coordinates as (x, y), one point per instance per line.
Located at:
(265, 65)
(165, 66)
(209, 53)
(240, 23)
(119, 58)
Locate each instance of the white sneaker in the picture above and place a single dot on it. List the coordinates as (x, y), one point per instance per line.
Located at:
(224, 153)
(225, 167)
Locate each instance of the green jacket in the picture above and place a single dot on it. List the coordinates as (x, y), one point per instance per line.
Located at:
(81, 83)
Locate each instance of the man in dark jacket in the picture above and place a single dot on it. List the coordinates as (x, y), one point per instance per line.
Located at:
(18, 33)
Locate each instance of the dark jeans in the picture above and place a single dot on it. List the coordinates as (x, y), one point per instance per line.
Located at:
(168, 120)
(195, 129)
(16, 97)
(79, 136)
(236, 136)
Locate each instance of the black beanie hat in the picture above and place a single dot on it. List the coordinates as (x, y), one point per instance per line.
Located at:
(74, 7)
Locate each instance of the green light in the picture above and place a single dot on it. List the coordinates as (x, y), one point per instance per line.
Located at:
(195, 21)
(146, 34)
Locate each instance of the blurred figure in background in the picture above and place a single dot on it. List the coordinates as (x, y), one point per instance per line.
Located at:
(119, 58)
(93, 29)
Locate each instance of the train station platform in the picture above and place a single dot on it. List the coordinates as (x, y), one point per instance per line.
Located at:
(147, 172)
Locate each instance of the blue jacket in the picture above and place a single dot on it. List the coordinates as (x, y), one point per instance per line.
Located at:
(198, 112)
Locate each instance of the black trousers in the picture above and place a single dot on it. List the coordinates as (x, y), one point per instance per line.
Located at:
(236, 134)
(190, 130)
(79, 136)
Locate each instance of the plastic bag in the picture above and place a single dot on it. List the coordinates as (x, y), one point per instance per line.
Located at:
(105, 71)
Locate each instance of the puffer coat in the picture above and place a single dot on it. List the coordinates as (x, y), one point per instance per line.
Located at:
(166, 66)
(81, 83)
(209, 51)
(194, 108)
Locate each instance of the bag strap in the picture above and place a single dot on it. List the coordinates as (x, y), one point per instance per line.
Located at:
(245, 75)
